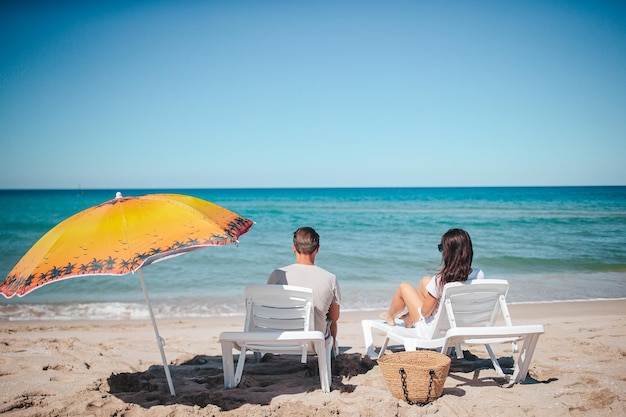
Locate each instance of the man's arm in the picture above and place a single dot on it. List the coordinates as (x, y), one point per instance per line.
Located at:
(333, 316)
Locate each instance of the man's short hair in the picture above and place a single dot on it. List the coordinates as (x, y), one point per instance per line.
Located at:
(306, 240)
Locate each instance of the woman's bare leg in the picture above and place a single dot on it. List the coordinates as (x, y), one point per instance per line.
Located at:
(407, 297)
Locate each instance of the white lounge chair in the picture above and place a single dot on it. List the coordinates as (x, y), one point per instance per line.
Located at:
(468, 314)
(278, 320)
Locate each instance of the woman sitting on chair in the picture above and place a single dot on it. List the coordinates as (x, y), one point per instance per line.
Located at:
(417, 307)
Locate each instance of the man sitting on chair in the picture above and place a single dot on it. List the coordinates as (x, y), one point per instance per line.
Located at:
(304, 273)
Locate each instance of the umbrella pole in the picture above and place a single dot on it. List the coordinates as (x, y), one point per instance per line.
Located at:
(158, 337)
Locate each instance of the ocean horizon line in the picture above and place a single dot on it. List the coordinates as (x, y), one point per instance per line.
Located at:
(434, 187)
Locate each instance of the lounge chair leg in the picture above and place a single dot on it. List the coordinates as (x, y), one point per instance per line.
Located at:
(526, 352)
(369, 339)
(323, 363)
(227, 365)
(494, 360)
(383, 347)
(240, 363)
(329, 354)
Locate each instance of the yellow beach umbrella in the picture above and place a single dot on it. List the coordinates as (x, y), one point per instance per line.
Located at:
(122, 235)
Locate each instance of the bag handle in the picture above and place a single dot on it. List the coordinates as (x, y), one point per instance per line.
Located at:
(406, 392)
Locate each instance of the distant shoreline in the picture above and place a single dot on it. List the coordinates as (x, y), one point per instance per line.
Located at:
(522, 309)
(452, 187)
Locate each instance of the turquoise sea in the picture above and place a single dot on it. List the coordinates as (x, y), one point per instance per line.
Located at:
(551, 243)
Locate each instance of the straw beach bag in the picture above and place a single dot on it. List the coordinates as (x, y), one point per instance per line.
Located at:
(416, 376)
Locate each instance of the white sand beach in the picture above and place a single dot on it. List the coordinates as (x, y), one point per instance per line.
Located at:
(106, 368)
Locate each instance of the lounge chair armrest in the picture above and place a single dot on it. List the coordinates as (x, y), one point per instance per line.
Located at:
(269, 337)
(494, 331)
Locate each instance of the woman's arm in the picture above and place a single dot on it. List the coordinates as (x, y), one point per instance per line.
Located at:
(428, 307)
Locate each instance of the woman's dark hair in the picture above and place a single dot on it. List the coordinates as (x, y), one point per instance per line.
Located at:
(306, 240)
(457, 251)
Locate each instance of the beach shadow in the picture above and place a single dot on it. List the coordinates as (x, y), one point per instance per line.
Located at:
(472, 363)
(348, 366)
(532, 381)
(199, 381)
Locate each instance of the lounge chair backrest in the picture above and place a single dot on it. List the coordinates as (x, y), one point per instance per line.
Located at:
(475, 303)
(279, 320)
(271, 308)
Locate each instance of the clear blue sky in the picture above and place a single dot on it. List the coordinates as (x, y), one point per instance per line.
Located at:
(220, 94)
